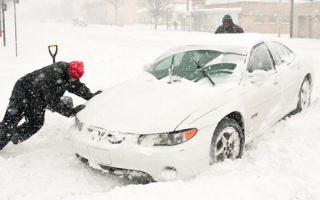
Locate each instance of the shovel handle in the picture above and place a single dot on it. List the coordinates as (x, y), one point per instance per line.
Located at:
(55, 53)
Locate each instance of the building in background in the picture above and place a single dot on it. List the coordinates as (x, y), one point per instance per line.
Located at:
(261, 16)
(271, 16)
(177, 12)
(306, 20)
(126, 14)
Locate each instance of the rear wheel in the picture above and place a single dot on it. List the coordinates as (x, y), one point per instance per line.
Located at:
(227, 141)
(304, 96)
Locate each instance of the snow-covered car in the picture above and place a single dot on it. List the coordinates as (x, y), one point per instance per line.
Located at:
(196, 105)
(80, 21)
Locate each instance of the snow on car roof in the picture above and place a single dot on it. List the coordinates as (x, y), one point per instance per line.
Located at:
(246, 40)
(237, 43)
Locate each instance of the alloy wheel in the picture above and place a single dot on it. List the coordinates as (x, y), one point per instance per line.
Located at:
(227, 145)
(305, 95)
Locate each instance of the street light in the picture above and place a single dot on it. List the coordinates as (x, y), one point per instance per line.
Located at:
(279, 19)
(4, 8)
(0, 22)
(291, 19)
(167, 13)
(15, 25)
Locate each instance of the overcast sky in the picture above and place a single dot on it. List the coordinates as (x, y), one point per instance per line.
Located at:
(234, 1)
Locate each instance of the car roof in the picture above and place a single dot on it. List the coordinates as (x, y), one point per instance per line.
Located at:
(236, 43)
(246, 40)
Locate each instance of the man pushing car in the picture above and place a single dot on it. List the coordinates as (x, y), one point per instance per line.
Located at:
(36, 91)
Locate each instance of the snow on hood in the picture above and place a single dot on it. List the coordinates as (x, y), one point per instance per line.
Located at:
(145, 106)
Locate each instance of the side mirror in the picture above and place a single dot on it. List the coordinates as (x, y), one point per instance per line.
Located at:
(146, 66)
(258, 76)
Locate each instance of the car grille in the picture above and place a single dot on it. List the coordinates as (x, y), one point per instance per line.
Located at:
(138, 176)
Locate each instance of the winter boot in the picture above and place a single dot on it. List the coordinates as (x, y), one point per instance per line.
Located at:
(4, 138)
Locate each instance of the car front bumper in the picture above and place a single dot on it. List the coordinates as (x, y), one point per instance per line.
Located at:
(162, 163)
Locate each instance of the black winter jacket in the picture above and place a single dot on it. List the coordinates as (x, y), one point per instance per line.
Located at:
(46, 86)
(232, 28)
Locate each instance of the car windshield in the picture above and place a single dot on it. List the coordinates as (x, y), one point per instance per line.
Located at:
(222, 66)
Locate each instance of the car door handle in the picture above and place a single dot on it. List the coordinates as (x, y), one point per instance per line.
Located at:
(275, 83)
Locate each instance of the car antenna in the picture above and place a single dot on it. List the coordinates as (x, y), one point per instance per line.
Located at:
(204, 72)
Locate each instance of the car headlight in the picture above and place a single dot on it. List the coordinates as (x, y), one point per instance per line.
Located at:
(167, 139)
(78, 123)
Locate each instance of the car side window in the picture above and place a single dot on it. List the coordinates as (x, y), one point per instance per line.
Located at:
(260, 59)
(160, 69)
(280, 53)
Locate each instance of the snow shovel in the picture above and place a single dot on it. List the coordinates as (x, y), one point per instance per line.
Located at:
(55, 53)
(65, 99)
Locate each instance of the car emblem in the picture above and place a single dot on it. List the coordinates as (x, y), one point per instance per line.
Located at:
(113, 139)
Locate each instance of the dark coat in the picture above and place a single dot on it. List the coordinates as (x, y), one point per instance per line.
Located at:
(44, 87)
(232, 28)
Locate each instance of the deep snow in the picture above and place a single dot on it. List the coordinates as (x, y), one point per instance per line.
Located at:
(282, 164)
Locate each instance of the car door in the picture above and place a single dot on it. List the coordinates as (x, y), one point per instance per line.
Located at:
(264, 97)
(289, 70)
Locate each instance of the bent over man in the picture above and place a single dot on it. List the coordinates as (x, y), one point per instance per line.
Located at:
(228, 26)
(34, 92)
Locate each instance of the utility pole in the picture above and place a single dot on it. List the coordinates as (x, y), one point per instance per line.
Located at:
(0, 22)
(187, 17)
(105, 12)
(187, 5)
(3, 22)
(15, 26)
(311, 14)
(279, 19)
(291, 19)
(167, 19)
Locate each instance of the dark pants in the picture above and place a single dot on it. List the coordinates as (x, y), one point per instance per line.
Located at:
(16, 111)
(34, 120)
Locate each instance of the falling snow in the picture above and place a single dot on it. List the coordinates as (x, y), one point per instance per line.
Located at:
(282, 164)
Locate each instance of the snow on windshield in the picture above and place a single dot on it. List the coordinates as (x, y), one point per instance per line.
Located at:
(220, 66)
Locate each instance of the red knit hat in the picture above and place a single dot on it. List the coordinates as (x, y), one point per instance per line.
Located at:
(76, 69)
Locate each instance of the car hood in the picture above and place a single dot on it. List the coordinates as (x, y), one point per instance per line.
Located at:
(145, 106)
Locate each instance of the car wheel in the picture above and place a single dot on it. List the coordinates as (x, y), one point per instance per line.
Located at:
(227, 141)
(304, 96)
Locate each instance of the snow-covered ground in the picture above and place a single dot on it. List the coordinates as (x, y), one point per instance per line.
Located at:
(282, 164)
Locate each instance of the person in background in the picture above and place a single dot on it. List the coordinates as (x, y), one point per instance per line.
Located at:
(228, 26)
(35, 92)
(175, 24)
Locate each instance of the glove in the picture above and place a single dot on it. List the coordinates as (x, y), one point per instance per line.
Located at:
(97, 92)
(78, 108)
(15, 139)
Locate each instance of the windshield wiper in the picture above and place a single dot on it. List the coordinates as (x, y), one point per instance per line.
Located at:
(171, 68)
(204, 72)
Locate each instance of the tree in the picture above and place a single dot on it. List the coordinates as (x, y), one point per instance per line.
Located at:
(116, 4)
(157, 8)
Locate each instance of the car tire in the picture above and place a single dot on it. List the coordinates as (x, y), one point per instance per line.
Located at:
(304, 96)
(227, 141)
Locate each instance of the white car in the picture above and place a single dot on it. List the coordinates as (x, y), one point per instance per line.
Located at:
(197, 104)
